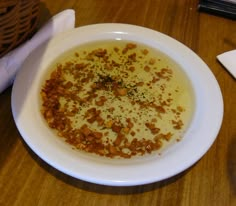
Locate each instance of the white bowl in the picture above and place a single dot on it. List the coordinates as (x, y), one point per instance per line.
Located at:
(197, 140)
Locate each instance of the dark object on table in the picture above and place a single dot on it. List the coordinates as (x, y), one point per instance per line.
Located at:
(226, 8)
(18, 21)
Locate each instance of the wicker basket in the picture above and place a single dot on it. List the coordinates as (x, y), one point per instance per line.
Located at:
(18, 21)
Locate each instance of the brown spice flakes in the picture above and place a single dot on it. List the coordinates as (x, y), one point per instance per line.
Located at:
(160, 109)
(93, 87)
(145, 51)
(132, 57)
(80, 66)
(131, 45)
(100, 52)
(152, 61)
(121, 92)
(152, 127)
(147, 68)
(132, 68)
(167, 136)
(177, 124)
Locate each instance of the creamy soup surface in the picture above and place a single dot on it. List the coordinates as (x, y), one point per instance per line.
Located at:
(117, 99)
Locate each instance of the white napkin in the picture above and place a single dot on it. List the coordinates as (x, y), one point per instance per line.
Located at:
(11, 62)
(228, 59)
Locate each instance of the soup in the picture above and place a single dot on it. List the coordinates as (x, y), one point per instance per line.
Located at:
(117, 99)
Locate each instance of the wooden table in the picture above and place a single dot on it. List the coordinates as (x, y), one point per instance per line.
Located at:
(25, 179)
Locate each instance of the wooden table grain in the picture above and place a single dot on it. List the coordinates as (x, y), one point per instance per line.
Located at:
(25, 179)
